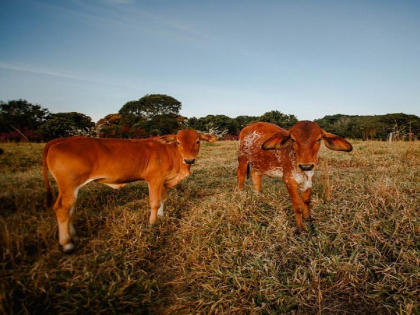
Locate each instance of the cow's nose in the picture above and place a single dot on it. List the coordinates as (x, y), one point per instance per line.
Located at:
(189, 161)
(306, 167)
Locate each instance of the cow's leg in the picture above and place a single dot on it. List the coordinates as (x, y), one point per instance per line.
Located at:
(63, 208)
(306, 197)
(162, 202)
(298, 204)
(73, 234)
(256, 180)
(242, 170)
(155, 198)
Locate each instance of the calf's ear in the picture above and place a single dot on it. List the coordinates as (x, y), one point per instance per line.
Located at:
(208, 138)
(278, 141)
(335, 142)
(167, 139)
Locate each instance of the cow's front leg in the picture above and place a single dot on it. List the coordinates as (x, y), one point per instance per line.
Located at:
(162, 200)
(155, 199)
(306, 197)
(298, 204)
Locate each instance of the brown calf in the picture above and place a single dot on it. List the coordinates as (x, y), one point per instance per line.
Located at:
(73, 162)
(289, 154)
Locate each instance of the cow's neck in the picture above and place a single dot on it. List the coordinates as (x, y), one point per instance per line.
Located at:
(184, 170)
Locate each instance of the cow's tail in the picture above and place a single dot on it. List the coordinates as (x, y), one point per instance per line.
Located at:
(49, 199)
(248, 170)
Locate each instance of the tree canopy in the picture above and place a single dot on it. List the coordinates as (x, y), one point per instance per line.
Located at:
(371, 127)
(276, 117)
(62, 125)
(150, 106)
(21, 119)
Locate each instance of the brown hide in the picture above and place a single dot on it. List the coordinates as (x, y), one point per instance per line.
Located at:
(292, 155)
(73, 162)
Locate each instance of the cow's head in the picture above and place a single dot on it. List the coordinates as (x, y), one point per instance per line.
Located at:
(306, 136)
(187, 142)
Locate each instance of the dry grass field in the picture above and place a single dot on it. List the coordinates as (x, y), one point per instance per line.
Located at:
(217, 250)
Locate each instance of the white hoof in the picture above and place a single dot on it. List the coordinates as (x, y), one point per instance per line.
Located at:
(160, 211)
(68, 248)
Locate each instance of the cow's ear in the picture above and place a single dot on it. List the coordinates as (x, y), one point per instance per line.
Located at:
(167, 139)
(208, 138)
(335, 142)
(278, 141)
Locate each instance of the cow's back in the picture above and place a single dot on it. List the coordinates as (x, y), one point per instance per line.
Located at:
(102, 158)
(271, 163)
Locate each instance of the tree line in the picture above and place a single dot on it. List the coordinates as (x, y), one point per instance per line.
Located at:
(159, 114)
(396, 126)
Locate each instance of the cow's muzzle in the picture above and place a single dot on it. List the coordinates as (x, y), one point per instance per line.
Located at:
(189, 161)
(306, 167)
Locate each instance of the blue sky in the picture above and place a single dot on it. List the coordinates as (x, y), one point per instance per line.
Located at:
(307, 58)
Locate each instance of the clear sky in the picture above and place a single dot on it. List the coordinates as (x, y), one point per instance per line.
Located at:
(308, 58)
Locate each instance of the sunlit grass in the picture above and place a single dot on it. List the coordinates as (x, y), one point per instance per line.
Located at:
(217, 250)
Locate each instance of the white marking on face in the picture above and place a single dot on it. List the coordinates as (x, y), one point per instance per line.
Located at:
(304, 179)
(308, 181)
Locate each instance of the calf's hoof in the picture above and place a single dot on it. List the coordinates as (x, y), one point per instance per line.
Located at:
(299, 230)
(307, 219)
(68, 248)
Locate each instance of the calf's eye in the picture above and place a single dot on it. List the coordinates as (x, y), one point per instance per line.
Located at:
(198, 142)
(178, 143)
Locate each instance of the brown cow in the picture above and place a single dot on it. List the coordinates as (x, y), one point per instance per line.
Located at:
(289, 154)
(73, 162)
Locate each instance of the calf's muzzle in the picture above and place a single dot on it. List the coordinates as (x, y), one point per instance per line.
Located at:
(306, 167)
(189, 161)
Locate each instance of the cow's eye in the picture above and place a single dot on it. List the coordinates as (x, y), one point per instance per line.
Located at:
(178, 143)
(198, 142)
(293, 140)
(319, 140)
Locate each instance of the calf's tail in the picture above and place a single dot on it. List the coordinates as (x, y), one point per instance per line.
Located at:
(49, 196)
(248, 169)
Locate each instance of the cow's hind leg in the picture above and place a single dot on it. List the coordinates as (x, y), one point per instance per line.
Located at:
(256, 181)
(63, 208)
(242, 170)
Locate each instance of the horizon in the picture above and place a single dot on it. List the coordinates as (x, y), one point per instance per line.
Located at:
(302, 58)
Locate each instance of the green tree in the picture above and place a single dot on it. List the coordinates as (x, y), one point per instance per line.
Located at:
(148, 107)
(276, 117)
(152, 114)
(22, 117)
(243, 121)
(80, 121)
(63, 125)
(218, 122)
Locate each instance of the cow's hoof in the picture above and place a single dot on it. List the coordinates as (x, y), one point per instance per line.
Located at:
(299, 231)
(69, 248)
